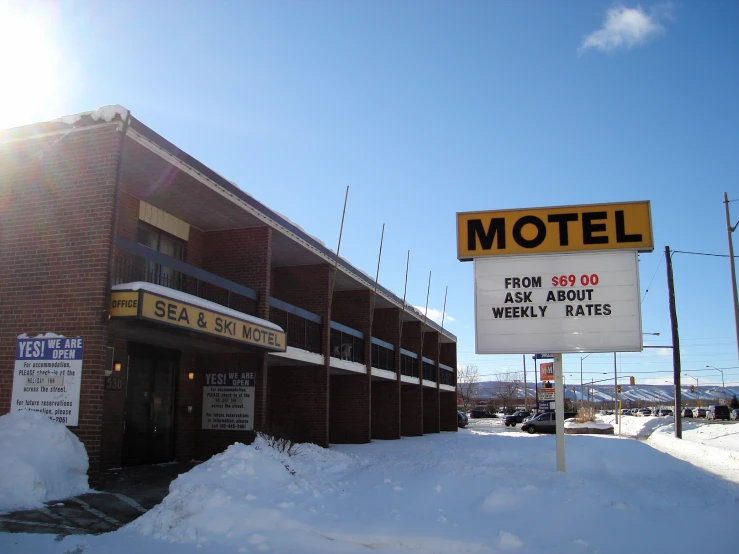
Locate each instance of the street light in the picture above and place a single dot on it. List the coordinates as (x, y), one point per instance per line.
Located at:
(723, 388)
(581, 384)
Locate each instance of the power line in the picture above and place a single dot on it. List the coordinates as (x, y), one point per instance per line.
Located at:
(661, 259)
(702, 254)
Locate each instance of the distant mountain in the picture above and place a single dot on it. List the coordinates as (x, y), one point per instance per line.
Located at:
(638, 394)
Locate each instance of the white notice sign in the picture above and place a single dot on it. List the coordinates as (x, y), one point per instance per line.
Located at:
(583, 302)
(228, 401)
(47, 377)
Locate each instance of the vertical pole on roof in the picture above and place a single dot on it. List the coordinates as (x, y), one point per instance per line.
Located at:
(425, 315)
(438, 343)
(338, 249)
(374, 295)
(405, 290)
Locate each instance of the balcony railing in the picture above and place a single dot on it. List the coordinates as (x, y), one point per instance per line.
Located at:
(446, 376)
(408, 363)
(429, 370)
(383, 355)
(136, 262)
(347, 343)
(303, 328)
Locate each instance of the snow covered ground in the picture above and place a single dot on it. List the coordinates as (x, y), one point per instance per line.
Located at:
(485, 489)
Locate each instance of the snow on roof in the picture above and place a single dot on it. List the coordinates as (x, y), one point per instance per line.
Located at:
(195, 301)
(104, 113)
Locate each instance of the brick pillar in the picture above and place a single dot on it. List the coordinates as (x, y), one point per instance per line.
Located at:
(411, 397)
(245, 257)
(350, 404)
(431, 422)
(448, 400)
(386, 394)
(307, 387)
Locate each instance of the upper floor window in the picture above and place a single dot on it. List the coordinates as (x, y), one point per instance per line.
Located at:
(159, 273)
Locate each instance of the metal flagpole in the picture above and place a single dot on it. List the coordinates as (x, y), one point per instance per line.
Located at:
(377, 277)
(405, 290)
(338, 248)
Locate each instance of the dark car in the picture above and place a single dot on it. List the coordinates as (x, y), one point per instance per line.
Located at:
(480, 412)
(735, 414)
(516, 417)
(718, 412)
(687, 412)
(462, 419)
(544, 423)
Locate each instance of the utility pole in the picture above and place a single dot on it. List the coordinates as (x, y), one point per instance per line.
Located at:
(525, 388)
(615, 388)
(729, 230)
(676, 340)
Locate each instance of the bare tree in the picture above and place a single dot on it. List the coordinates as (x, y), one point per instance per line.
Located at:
(507, 387)
(468, 380)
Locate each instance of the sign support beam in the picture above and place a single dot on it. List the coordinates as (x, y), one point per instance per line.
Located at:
(559, 411)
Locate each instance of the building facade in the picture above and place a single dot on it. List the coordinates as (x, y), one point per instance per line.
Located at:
(205, 317)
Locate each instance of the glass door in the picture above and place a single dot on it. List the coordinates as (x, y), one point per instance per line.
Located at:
(149, 422)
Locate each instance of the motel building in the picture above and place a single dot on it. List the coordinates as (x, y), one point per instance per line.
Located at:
(163, 314)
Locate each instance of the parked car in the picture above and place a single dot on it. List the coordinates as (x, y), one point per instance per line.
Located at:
(462, 419)
(644, 412)
(699, 412)
(626, 411)
(665, 413)
(735, 414)
(544, 423)
(481, 412)
(687, 412)
(718, 412)
(516, 417)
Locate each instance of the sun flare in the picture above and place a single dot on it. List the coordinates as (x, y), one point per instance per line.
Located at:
(30, 61)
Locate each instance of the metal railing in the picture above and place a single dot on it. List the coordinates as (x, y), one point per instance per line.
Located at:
(303, 328)
(346, 343)
(136, 262)
(408, 365)
(429, 371)
(383, 355)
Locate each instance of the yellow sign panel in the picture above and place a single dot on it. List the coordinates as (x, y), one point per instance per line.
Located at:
(123, 304)
(625, 226)
(188, 316)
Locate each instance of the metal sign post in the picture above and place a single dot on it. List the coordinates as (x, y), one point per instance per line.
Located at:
(559, 411)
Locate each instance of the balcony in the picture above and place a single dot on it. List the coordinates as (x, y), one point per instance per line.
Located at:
(383, 355)
(446, 376)
(346, 343)
(303, 328)
(408, 363)
(136, 262)
(429, 370)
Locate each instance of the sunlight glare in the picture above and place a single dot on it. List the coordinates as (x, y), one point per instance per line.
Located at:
(29, 65)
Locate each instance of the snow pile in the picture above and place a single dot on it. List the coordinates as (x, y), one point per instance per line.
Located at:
(40, 460)
(637, 427)
(573, 424)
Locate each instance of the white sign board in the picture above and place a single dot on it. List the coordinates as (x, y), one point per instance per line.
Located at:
(580, 302)
(47, 377)
(546, 395)
(228, 401)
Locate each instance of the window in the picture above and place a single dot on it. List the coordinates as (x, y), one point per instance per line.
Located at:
(168, 245)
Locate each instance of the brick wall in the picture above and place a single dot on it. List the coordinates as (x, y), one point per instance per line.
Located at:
(411, 410)
(349, 413)
(298, 397)
(448, 410)
(430, 410)
(385, 398)
(56, 215)
(297, 403)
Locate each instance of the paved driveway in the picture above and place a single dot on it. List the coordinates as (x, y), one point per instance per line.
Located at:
(128, 493)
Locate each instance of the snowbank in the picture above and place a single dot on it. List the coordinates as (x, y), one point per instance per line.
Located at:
(40, 460)
(573, 427)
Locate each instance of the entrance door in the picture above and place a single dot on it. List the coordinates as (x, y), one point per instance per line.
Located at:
(148, 436)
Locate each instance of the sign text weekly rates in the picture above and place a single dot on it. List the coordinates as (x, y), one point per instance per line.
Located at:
(624, 226)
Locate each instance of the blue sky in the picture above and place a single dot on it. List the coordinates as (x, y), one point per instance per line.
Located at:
(426, 109)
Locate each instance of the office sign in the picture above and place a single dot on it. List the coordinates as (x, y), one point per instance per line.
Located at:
(186, 315)
(624, 226)
(47, 377)
(567, 303)
(228, 401)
